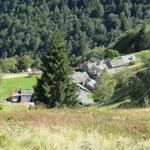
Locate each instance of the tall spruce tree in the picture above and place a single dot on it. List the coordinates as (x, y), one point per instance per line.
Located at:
(55, 87)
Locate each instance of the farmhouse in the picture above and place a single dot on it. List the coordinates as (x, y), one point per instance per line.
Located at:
(85, 81)
(80, 77)
(121, 61)
(84, 98)
(21, 96)
(95, 59)
(85, 85)
(34, 71)
(116, 63)
(90, 84)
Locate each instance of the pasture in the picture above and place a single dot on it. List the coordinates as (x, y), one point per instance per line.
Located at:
(11, 82)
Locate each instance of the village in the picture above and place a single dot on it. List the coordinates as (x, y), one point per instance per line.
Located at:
(85, 79)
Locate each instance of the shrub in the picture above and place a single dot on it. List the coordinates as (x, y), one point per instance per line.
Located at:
(104, 87)
(111, 53)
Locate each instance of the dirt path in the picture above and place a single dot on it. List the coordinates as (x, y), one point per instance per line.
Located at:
(14, 75)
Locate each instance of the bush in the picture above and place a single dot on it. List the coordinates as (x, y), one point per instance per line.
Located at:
(139, 86)
(111, 53)
(8, 65)
(104, 87)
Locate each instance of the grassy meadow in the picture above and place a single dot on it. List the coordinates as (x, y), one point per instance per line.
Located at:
(11, 83)
(90, 128)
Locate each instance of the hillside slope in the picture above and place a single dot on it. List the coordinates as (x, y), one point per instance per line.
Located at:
(134, 41)
(79, 129)
(26, 26)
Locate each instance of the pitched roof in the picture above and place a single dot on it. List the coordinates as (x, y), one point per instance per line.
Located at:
(27, 92)
(122, 61)
(79, 77)
(95, 59)
(117, 63)
(90, 84)
(85, 98)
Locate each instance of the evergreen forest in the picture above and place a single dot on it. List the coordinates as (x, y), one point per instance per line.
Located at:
(27, 25)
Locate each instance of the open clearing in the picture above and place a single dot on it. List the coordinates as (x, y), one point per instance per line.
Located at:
(13, 82)
(90, 128)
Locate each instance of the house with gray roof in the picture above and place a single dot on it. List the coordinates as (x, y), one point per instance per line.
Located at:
(90, 84)
(116, 63)
(85, 98)
(21, 96)
(94, 72)
(121, 61)
(80, 77)
(85, 95)
(95, 59)
(94, 65)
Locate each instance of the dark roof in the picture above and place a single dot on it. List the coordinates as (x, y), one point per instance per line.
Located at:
(95, 59)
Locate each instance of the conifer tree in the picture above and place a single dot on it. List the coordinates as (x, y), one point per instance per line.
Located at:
(55, 87)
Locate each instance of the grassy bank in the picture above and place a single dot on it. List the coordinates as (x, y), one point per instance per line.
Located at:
(90, 128)
(143, 54)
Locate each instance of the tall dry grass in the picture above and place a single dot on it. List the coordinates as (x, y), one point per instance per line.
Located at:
(75, 129)
(65, 138)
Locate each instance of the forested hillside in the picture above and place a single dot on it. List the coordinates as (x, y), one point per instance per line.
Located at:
(133, 41)
(27, 25)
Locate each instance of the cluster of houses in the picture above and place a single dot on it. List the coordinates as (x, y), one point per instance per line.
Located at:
(85, 80)
(92, 68)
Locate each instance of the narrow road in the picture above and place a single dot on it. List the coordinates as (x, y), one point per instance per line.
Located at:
(14, 75)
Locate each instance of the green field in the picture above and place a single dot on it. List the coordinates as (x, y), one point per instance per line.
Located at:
(143, 54)
(7, 85)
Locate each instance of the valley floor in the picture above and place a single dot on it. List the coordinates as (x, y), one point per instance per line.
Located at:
(91, 128)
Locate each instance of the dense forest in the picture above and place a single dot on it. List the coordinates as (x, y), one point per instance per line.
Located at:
(27, 25)
(133, 41)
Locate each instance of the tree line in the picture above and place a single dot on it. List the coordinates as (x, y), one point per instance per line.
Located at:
(19, 64)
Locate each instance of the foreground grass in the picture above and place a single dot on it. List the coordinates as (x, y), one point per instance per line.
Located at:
(89, 128)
